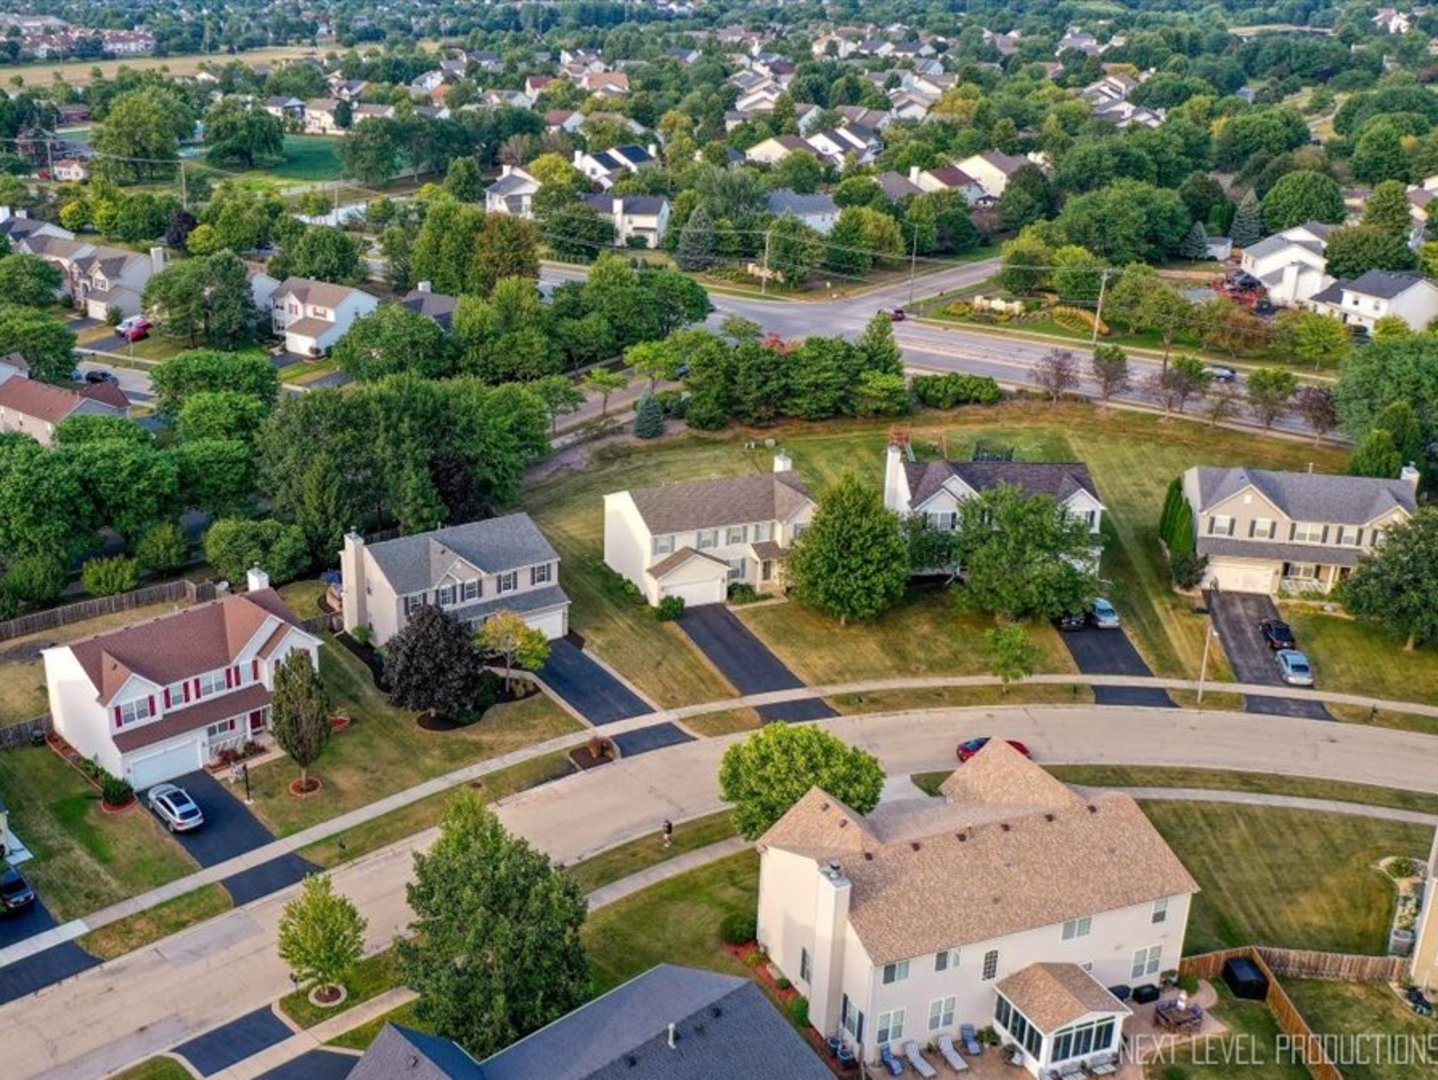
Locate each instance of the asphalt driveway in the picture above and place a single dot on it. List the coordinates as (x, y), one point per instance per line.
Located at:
(747, 662)
(1110, 652)
(655, 737)
(314, 1065)
(244, 1037)
(1236, 616)
(16, 926)
(230, 830)
(43, 969)
(589, 687)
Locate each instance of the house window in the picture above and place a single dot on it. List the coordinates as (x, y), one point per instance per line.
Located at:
(891, 1027)
(1160, 910)
(1261, 528)
(175, 694)
(1145, 961)
(211, 682)
(941, 1013)
(133, 711)
(661, 545)
(1077, 928)
(851, 1018)
(471, 590)
(1300, 571)
(1220, 525)
(946, 959)
(991, 964)
(224, 727)
(1350, 535)
(763, 530)
(706, 538)
(1306, 532)
(739, 569)
(1376, 538)
(946, 520)
(806, 970)
(541, 574)
(896, 972)
(445, 596)
(736, 534)
(507, 582)
(414, 603)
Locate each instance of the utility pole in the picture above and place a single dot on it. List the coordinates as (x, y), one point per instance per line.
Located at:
(1098, 312)
(184, 188)
(913, 263)
(764, 275)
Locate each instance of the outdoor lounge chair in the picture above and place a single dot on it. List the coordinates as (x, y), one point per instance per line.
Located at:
(1103, 1066)
(950, 1053)
(916, 1059)
(893, 1064)
(972, 1046)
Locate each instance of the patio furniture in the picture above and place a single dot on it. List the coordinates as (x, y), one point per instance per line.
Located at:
(834, 1043)
(950, 1053)
(1016, 1057)
(916, 1059)
(1145, 994)
(1170, 1016)
(893, 1064)
(1068, 1069)
(1105, 1066)
(972, 1046)
(847, 1058)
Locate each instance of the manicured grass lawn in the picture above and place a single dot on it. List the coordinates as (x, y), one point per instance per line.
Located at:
(308, 157)
(1352, 1011)
(941, 697)
(156, 1068)
(1402, 721)
(620, 862)
(146, 927)
(676, 921)
(84, 858)
(724, 722)
(1252, 1031)
(1286, 878)
(384, 750)
(1360, 659)
(303, 597)
(371, 977)
(1309, 787)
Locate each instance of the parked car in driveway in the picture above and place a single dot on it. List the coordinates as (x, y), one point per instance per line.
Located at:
(175, 807)
(1277, 634)
(1294, 668)
(95, 378)
(15, 892)
(1105, 615)
(1073, 620)
(135, 328)
(973, 746)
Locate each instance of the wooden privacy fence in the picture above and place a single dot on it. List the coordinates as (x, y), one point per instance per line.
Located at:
(170, 592)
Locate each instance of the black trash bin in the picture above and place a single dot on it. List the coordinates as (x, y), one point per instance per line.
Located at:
(1245, 980)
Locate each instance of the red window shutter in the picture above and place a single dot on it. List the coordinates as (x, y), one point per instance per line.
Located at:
(197, 688)
(255, 670)
(239, 678)
(185, 689)
(167, 697)
(118, 721)
(153, 710)
(229, 677)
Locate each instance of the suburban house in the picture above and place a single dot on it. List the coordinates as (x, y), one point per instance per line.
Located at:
(472, 571)
(319, 116)
(1015, 901)
(513, 193)
(97, 278)
(671, 1023)
(33, 408)
(694, 540)
(14, 366)
(643, 216)
(437, 307)
(1424, 969)
(160, 698)
(818, 211)
(775, 149)
(71, 170)
(608, 165)
(605, 83)
(936, 489)
(1291, 264)
(992, 170)
(947, 178)
(313, 315)
(285, 108)
(1379, 293)
(1264, 531)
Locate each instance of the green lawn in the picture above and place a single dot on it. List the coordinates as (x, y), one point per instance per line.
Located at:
(1368, 1011)
(1286, 878)
(1254, 1032)
(303, 597)
(384, 750)
(156, 1068)
(360, 1037)
(84, 858)
(1359, 659)
(162, 920)
(371, 977)
(627, 859)
(309, 157)
(955, 697)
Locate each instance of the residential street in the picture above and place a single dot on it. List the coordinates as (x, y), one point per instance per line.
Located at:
(227, 967)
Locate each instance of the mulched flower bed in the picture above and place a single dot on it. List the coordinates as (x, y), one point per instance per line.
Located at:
(340, 722)
(121, 808)
(584, 759)
(764, 975)
(315, 786)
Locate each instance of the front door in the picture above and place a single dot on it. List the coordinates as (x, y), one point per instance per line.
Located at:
(257, 721)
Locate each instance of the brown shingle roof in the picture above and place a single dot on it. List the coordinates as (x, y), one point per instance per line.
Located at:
(309, 291)
(106, 393)
(977, 870)
(1053, 995)
(210, 711)
(710, 504)
(679, 558)
(43, 401)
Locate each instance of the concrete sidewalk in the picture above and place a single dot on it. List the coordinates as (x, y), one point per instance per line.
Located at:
(1283, 802)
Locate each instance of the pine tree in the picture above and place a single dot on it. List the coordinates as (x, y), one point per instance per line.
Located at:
(301, 712)
(878, 348)
(1195, 244)
(1247, 222)
(649, 418)
(696, 242)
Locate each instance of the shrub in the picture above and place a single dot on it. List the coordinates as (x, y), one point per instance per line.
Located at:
(163, 548)
(673, 402)
(1402, 868)
(954, 389)
(799, 1012)
(599, 747)
(648, 418)
(1188, 570)
(114, 790)
(741, 592)
(36, 578)
(1073, 318)
(738, 928)
(670, 608)
(1175, 522)
(1188, 984)
(959, 309)
(782, 983)
(755, 959)
(106, 577)
(233, 545)
(113, 316)
(9, 602)
(364, 633)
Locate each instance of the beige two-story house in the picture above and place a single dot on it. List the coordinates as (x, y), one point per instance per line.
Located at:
(312, 315)
(472, 571)
(1266, 532)
(694, 540)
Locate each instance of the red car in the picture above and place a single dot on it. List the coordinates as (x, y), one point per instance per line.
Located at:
(134, 328)
(973, 746)
(897, 315)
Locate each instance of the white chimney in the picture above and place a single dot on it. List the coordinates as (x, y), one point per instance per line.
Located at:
(783, 462)
(157, 258)
(352, 583)
(896, 480)
(831, 919)
(424, 286)
(913, 174)
(578, 157)
(505, 170)
(256, 580)
(653, 149)
(1411, 474)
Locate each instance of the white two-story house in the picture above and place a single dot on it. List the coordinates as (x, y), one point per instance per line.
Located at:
(694, 540)
(1377, 294)
(1264, 531)
(1013, 901)
(642, 217)
(472, 571)
(157, 699)
(312, 315)
(513, 193)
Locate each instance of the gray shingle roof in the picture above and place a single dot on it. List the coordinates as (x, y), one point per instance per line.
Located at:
(785, 201)
(710, 504)
(1384, 284)
(1271, 245)
(401, 1053)
(724, 1027)
(1057, 478)
(415, 563)
(1238, 548)
(522, 603)
(507, 185)
(432, 305)
(652, 205)
(1315, 497)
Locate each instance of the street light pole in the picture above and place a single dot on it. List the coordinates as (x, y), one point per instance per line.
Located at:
(1098, 312)
(913, 263)
(1203, 666)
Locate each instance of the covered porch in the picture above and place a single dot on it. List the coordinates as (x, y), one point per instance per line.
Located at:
(1060, 1020)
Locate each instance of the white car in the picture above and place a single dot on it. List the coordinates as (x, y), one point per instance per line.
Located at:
(175, 807)
(1105, 615)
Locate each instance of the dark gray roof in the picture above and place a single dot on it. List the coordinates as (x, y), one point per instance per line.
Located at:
(1057, 478)
(522, 603)
(724, 1028)
(731, 500)
(653, 205)
(785, 201)
(1333, 294)
(1384, 284)
(432, 305)
(896, 186)
(507, 185)
(1311, 497)
(1319, 229)
(401, 1053)
(415, 563)
(1239, 548)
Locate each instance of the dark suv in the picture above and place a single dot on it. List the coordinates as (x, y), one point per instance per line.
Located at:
(1277, 634)
(15, 893)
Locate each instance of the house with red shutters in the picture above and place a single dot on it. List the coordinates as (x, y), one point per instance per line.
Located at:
(160, 698)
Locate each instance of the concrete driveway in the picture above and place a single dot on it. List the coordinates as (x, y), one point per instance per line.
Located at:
(1236, 617)
(1110, 652)
(747, 662)
(589, 687)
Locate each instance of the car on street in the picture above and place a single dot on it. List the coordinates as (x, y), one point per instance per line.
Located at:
(15, 892)
(1277, 634)
(971, 747)
(1104, 615)
(1221, 373)
(135, 328)
(897, 315)
(1294, 668)
(95, 378)
(175, 807)
(1073, 620)
(1418, 1001)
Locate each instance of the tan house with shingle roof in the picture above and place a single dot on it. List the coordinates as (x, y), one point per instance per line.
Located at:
(1014, 901)
(694, 540)
(160, 698)
(33, 408)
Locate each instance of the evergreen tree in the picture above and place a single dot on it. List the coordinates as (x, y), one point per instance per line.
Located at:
(877, 347)
(1377, 455)
(1247, 224)
(463, 180)
(696, 241)
(300, 718)
(1195, 244)
(649, 418)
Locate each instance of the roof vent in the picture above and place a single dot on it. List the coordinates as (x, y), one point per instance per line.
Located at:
(868, 856)
(715, 1011)
(1005, 826)
(914, 844)
(631, 1060)
(1092, 809)
(673, 1036)
(843, 823)
(1048, 817)
(823, 806)
(962, 836)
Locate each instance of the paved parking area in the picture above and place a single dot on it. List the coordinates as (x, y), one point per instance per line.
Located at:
(589, 687)
(1110, 652)
(43, 969)
(1236, 617)
(230, 829)
(655, 737)
(747, 662)
(314, 1065)
(221, 1047)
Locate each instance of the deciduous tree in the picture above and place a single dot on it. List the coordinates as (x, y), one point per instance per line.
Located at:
(852, 562)
(43, 340)
(321, 936)
(300, 718)
(1109, 370)
(1304, 195)
(1394, 588)
(1057, 373)
(1270, 393)
(505, 634)
(1011, 654)
(432, 665)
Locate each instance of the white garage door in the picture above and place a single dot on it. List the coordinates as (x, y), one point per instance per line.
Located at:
(1246, 579)
(695, 592)
(553, 623)
(165, 765)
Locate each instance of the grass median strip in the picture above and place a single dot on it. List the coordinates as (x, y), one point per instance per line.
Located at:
(146, 927)
(938, 697)
(370, 978)
(155, 1068)
(620, 862)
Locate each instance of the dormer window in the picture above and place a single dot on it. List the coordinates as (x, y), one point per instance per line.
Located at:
(132, 712)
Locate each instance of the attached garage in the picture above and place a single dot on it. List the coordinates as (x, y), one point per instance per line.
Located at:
(554, 623)
(695, 592)
(692, 575)
(146, 770)
(1241, 575)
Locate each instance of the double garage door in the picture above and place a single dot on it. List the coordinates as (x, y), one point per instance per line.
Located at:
(1232, 576)
(163, 765)
(555, 624)
(696, 592)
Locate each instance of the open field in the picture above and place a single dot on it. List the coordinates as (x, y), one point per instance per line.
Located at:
(306, 158)
(82, 72)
